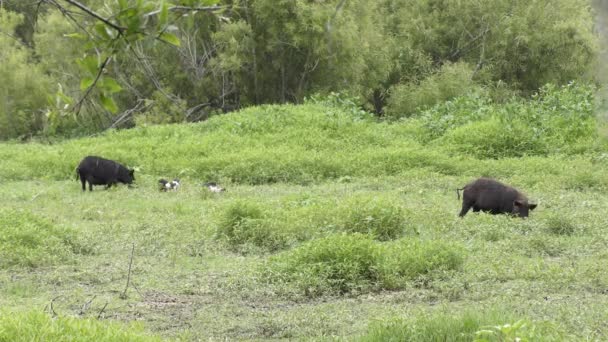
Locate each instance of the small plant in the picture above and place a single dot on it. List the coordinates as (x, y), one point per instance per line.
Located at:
(405, 260)
(245, 223)
(378, 217)
(560, 225)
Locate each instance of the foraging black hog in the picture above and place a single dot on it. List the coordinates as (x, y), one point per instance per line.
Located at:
(494, 197)
(100, 171)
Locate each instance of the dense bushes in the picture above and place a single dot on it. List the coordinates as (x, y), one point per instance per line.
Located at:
(450, 81)
(347, 263)
(556, 121)
(393, 56)
(27, 240)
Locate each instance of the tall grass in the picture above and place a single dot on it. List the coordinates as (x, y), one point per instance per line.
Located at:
(39, 326)
(316, 141)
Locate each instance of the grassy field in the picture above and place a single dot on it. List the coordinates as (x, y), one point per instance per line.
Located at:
(333, 226)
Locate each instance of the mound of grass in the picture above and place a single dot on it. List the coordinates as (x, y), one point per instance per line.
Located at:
(355, 263)
(28, 240)
(467, 326)
(38, 326)
(380, 217)
(404, 260)
(335, 264)
(560, 225)
(244, 225)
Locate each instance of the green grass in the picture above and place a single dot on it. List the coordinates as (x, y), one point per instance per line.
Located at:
(332, 226)
(38, 326)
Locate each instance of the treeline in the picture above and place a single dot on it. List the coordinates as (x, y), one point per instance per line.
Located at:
(393, 56)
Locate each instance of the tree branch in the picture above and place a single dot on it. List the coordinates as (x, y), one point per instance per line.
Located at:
(96, 16)
(78, 105)
(188, 9)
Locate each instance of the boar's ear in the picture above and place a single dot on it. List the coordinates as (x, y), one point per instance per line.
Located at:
(517, 203)
(532, 206)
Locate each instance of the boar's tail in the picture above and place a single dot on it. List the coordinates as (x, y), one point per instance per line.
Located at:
(458, 192)
(77, 173)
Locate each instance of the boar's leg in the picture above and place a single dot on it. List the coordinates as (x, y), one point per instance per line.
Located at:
(84, 183)
(465, 208)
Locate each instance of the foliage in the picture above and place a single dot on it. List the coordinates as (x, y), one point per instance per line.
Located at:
(24, 89)
(557, 120)
(190, 60)
(38, 326)
(450, 81)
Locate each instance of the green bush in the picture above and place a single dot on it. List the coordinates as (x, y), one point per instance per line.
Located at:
(450, 81)
(555, 121)
(334, 264)
(244, 225)
(405, 260)
(466, 326)
(493, 139)
(38, 326)
(560, 225)
(351, 263)
(380, 217)
(28, 240)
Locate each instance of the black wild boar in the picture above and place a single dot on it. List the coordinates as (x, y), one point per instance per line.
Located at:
(491, 196)
(100, 171)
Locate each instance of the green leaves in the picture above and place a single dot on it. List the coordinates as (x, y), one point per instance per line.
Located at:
(86, 82)
(169, 38)
(108, 103)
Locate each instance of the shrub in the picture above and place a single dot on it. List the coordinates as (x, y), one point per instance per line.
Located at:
(405, 260)
(334, 264)
(244, 223)
(381, 218)
(451, 81)
(493, 139)
(38, 326)
(347, 263)
(28, 240)
(560, 225)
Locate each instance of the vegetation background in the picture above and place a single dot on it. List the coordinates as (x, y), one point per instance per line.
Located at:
(341, 130)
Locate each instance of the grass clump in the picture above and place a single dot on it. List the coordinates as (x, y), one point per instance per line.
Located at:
(31, 241)
(380, 217)
(340, 263)
(405, 260)
(560, 225)
(355, 263)
(463, 327)
(39, 326)
(244, 225)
